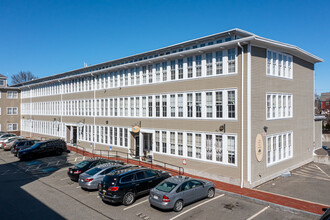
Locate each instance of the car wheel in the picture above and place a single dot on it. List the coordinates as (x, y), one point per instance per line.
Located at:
(178, 206)
(210, 193)
(128, 198)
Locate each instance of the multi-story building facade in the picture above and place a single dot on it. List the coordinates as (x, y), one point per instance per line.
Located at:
(325, 103)
(9, 107)
(234, 106)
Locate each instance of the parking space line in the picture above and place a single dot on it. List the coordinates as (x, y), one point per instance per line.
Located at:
(75, 159)
(135, 205)
(258, 213)
(322, 171)
(64, 178)
(310, 176)
(182, 213)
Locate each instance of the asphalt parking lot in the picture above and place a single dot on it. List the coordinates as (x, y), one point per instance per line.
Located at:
(309, 182)
(41, 189)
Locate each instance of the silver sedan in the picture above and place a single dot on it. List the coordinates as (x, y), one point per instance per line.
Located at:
(178, 191)
(92, 177)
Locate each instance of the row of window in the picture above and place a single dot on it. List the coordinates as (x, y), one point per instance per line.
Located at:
(279, 147)
(12, 127)
(210, 104)
(214, 63)
(209, 147)
(11, 111)
(51, 128)
(279, 64)
(278, 106)
(11, 95)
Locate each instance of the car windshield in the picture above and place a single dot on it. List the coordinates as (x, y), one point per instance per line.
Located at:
(166, 186)
(93, 171)
(36, 145)
(82, 164)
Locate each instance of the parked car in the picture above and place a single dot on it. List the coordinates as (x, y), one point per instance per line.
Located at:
(178, 191)
(6, 136)
(43, 148)
(126, 184)
(7, 145)
(22, 144)
(326, 214)
(92, 177)
(75, 171)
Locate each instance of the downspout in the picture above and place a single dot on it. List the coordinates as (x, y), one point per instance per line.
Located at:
(242, 118)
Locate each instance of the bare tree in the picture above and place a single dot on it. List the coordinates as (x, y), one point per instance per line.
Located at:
(22, 76)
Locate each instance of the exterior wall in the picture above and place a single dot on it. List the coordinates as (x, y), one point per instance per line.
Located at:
(4, 118)
(301, 124)
(213, 170)
(318, 134)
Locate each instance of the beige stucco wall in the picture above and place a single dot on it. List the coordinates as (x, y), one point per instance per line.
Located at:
(4, 103)
(301, 86)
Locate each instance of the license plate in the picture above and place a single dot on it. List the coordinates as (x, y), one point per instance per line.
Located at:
(103, 193)
(155, 197)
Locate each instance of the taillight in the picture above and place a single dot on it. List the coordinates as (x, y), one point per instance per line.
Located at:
(4, 145)
(113, 188)
(69, 169)
(166, 199)
(77, 172)
(88, 179)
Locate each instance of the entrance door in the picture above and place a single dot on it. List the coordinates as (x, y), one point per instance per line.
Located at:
(147, 143)
(74, 135)
(137, 145)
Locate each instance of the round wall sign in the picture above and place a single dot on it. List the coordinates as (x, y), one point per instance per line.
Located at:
(259, 147)
(136, 129)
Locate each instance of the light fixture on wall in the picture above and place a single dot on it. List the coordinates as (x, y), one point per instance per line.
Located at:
(265, 129)
(222, 128)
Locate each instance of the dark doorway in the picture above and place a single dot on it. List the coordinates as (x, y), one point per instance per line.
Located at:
(74, 135)
(137, 145)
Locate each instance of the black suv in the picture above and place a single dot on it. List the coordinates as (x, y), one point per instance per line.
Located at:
(21, 145)
(125, 184)
(76, 170)
(43, 148)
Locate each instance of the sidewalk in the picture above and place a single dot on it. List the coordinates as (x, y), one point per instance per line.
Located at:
(289, 202)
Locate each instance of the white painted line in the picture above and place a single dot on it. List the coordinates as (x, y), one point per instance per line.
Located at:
(78, 187)
(64, 178)
(313, 177)
(75, 159)
(182, 213)
(98, 197)
(135, 204)
(322, 171)
(258, 213)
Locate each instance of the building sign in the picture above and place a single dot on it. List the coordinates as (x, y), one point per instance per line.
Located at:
(184, 161)
(136, 129)
(259, 147)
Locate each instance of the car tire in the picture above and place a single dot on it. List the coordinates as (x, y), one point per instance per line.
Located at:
(128, 199)
(210, 193)
(178, 206)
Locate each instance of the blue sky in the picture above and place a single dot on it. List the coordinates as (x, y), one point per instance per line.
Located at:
(54, 36)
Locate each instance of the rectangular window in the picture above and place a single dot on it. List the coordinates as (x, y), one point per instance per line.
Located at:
(231, 149)
(189, 145)
(164, 71)
(150, 105)
(269, 62)
(209, 146)
(209, 67)
(231, 104)
(137, 75)
(144, 106)
(269, 149)
(164, 101)
(278, 106)
(132, 76)
(219, 104)
(12, 111)
(172, 103)
(190, 67)
(198, 66)
(269, 106)
(164, 141)
(198, 145)
(180, 105)
(279, 147)
(157, 141)
(180, 68)
(12, 127)
(218, 148)
(137, 106)
(189, 105)
(121, 102)
(157, 106)
(209, 105)
(121, 137)
(132, 106)
(231, 60)
(172, 69)
(126, 106)
(150, 75)
(198, 105)
(126, 137)
(180, 143)
(12, 94)
(126, 77)
(106, 135)
(219, 64)
(172, 141)
(274, 149)
(157, 72)
(111, 136)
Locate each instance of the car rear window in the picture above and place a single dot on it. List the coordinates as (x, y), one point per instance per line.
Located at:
(166, 186)
(20, 144)
(110, 180)
(93, 171)
(82, 164)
